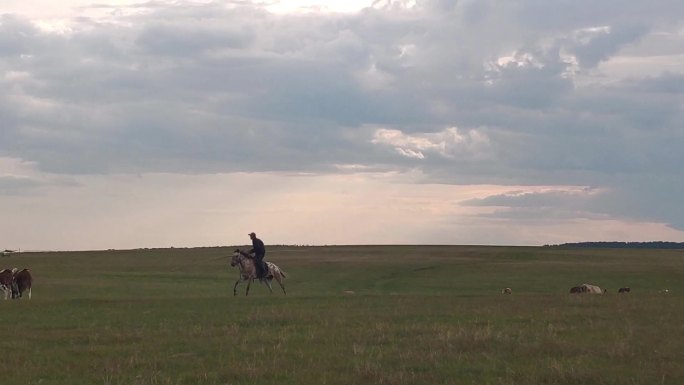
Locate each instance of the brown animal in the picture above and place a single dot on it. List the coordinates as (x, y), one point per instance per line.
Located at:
(6, 283)
(22, 283)
(624, 290)
(247, 267)
(577, 290)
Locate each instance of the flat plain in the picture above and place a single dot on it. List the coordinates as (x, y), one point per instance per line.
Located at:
(352, 315)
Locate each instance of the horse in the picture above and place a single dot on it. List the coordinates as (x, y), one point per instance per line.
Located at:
(248, 272)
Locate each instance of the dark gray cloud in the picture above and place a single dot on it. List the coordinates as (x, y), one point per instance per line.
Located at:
(16, 35)
(605, 43)
(645, 198)
(191, 88)
(554, 198)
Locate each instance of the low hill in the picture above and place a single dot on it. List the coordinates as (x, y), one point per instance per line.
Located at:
(622, 245)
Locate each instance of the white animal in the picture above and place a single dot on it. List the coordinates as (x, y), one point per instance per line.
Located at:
(592, 289)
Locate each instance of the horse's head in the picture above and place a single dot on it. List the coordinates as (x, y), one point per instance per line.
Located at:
(237, 256)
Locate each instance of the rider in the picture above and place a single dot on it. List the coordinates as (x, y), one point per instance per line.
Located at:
(259, 251)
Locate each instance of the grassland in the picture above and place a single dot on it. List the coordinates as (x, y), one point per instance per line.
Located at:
(417, 315)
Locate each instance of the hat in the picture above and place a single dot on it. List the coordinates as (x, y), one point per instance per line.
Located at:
(250, 234)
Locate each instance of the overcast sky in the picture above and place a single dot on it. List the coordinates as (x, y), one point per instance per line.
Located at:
(158, 123)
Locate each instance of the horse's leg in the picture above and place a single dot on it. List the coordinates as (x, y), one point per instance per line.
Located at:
(249, 282)
(279, 278)
(268, 283)
(235, 287)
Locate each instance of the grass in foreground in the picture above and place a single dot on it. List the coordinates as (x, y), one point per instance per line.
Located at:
(418, 315)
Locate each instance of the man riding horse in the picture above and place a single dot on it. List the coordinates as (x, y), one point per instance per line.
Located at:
(259, 251)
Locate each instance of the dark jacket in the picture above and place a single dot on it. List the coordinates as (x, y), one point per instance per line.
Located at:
(258, 247)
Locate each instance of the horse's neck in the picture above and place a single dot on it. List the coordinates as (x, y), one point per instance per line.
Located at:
(246, 263)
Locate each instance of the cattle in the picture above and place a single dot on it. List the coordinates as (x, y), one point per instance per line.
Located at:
(22, 283)
(592, 289)
(624, 290)
(7, 283)
(507, 290)
(587, 288)
(577, 290)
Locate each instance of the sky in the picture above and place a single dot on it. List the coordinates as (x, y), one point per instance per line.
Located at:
(127, 124)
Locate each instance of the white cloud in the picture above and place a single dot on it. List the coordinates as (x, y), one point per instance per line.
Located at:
(293, 6)
(448, 143)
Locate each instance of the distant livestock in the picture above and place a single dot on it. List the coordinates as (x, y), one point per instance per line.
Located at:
(576, 290)
(507, 290)
(587, 288)
(22, 283)
(624, 290)
(7, 283)
(593, 289)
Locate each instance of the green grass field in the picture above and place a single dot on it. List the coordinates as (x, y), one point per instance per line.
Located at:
(417, 315)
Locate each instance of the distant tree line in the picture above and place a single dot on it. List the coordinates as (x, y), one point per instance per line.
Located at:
(622, 245)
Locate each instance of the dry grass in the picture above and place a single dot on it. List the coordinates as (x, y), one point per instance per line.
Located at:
(418, 315)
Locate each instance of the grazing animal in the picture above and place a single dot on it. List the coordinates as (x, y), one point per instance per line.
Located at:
(7, 283)
(624, 290)
(592, 289)
(587, 288)
(507, 290)
(577, 289)
(248, 272)
(22, 283)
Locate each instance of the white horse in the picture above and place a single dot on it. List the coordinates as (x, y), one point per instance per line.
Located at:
(247, 267)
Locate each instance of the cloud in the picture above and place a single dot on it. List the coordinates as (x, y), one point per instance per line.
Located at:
(550, 198)
(21, 178)
(564, 93)
(449, 143)
(13, 185)
(179, 84)
(594, 45)
(546, 205)
(628, 202)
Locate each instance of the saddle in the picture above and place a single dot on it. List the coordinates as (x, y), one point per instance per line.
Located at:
(267, 272)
